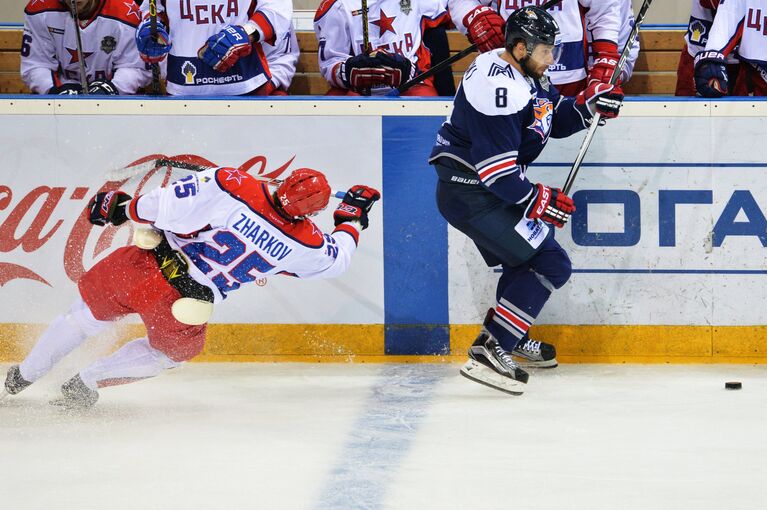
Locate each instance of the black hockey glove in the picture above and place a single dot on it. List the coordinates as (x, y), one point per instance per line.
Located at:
(108, 207)
(711, 78)
(399, 69)
(103, 88)
(356, 204)
(67, 89)
(362, 72)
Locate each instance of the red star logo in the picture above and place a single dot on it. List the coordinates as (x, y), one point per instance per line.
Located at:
(234, 175)
(132, 10)
(385, 24)
(73, 55)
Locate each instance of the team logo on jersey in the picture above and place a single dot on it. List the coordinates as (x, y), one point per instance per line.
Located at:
(697, 32)
(384, 23)
(74, 57)
(189, 71)
(543, 112)
(108, 44)
(497, 69)
(404, 6)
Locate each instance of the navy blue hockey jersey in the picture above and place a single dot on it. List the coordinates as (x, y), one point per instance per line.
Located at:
(501, 122)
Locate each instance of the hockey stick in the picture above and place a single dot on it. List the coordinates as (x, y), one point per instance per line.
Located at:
(147, 166)
(365, 38)
(633, 36)
(448, 61)
(79, 43)
(153, 33)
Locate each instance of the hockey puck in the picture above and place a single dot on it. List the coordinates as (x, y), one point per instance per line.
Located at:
(732, 385)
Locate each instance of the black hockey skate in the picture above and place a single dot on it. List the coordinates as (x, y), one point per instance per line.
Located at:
(535, 354)
(76, 395)
(14, 383)
(492, 366)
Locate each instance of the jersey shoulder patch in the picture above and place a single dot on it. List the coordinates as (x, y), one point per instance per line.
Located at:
(38, 6)
(125, 11)
(493, 87)
(324, 7)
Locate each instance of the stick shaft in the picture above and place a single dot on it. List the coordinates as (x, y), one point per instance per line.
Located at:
(79, 43)
(153, 32)
(633, 36)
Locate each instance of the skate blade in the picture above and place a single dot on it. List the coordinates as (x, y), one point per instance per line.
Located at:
(526, 363)
(479, 373)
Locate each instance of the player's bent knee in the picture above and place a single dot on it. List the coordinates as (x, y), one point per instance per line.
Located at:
(181, 346)
(80, 316)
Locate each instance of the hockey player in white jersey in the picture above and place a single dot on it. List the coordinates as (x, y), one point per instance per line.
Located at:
(503, 115)
(741, 24)
(282, 58)
(483, 21)
(49, 59)
(698, 29)
(396, 52)
(211, 232)
(214, 47)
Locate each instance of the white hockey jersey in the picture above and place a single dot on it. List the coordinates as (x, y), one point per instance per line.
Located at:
(393, 25)
(225, 224)
(282, 58)
(49, 48)
(627, 24)
(192, 22)
(741, 24)
(602, 19)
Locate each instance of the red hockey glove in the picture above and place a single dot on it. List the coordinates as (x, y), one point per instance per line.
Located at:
(599, 97)
(356, 204)
(606, 58)
(550, 205)
(108, 207)
(485, 28)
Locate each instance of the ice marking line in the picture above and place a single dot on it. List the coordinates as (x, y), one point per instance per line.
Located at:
(663, 271)
(380, 438)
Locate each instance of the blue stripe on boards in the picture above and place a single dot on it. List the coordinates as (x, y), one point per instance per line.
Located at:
(381, 438)
(415, 241)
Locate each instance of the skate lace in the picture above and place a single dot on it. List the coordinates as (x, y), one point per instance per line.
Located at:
(532, 346)
(504, 356)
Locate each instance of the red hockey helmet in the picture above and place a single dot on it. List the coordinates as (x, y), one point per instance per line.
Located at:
(304, 193)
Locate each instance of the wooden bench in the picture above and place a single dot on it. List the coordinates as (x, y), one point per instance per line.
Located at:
(655, 71)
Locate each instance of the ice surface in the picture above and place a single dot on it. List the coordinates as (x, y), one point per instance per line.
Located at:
(394, 436)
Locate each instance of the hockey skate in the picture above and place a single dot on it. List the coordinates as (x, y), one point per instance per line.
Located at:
(14, 383)
(76, 395)
(535, 354)
(492, 366)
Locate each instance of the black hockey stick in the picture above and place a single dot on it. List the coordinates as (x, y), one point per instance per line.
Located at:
(365, 38)
(153, 33)
(633, 36)
(79, 43)
(449, 61)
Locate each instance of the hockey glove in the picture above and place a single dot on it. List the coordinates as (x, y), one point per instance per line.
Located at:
(225, 48)
(605, 60)
(356, 205)
(398, 69)
(599, 97)
(152, 51)
(103, 88)
(485, 28)
(711, 74)
(108, 207)
(550, 205)
(68, 89)
(362, 72)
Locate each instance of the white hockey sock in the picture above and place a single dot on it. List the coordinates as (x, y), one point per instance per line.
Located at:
(63, 335)
(134, 360)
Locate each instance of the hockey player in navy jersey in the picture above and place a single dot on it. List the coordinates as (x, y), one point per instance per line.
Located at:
(504, 112)
(211, 232)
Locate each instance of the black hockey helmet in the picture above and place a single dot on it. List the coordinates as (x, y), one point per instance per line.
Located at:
(534, 26)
